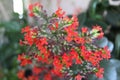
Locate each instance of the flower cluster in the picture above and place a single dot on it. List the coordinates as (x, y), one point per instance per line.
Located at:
(57, 49)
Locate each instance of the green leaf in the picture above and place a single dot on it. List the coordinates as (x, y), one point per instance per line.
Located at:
(105, 3)
(92, 8)
(113, 17)
(81, 19)
(117, 46)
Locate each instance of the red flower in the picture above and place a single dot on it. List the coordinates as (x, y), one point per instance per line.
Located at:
(78, 77)
(54, 26)
(100, 72)
(34, 7)
(21, 43)
(71, 34)
(37, 70)
(57, 64)
(66, 60)
(41, 42)
(24, 61)
(60, 13)
(75, 56)
(78, 61)
(100, 35)
(31, 14)
(56, 72)
(97, 32)
(79, 40)
(106, 53)
(21, 57)
(97, 28)
(20, 74)
(69, 38)
(26, 29)
(47, 77)
(75, 23)
(30, 35)
(84, 29)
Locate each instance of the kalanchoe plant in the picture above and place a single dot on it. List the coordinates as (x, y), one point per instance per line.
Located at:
(56, 50)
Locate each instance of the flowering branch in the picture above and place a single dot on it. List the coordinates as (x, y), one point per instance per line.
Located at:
(59, 50)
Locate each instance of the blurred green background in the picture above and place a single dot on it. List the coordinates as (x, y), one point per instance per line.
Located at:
(99, 12)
